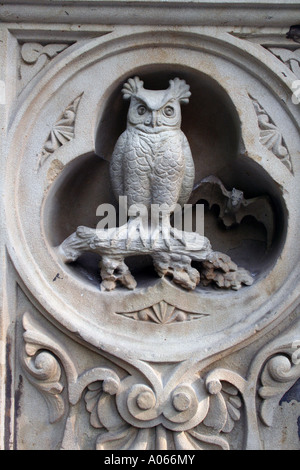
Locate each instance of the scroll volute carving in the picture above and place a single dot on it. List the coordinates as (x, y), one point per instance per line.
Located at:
(34, 57)
(170, 409)
(43, 369)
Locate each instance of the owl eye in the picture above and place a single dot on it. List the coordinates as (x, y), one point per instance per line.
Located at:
(141, 110)
(169, 111)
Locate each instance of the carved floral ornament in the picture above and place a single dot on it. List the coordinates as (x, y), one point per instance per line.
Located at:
(271, 137)
(157, 414)
(291, 58)
(63, 131)
(34, 57)
(136, 409)
(162, 312)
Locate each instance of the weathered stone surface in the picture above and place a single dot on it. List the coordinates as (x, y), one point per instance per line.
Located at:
(190, 364)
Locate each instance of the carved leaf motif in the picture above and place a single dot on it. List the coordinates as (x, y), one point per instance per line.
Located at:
(63, 131)
(126, 438)
(104, 415)
(163, 312)
(270, 136)
(91, 400)
(117, 434)
(194, 440)
(102, 408)
(224, 407)
(133, 416)
(290, 58)
(34, 57)
(279, 374)
(44, 372)
(41, 359)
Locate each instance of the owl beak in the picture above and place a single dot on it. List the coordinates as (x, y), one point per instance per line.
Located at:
(154, 118)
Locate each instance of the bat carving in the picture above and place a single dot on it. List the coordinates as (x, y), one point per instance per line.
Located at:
(233, 206)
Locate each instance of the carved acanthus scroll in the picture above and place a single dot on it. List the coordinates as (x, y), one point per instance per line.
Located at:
(291, 58)
(35, 56)
(165, 410)
(217, 410)
(43, 369)
(279, 374)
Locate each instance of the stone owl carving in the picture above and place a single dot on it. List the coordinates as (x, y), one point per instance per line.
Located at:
(152, 165)
(152, 162)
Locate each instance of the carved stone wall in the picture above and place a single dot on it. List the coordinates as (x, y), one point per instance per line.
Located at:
(159, 367)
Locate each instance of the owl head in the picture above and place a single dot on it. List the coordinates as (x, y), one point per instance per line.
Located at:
(155, 110)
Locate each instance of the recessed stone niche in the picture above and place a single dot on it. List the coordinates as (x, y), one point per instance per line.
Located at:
(212, 126)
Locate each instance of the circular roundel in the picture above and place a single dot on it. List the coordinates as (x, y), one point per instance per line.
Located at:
(61, 140)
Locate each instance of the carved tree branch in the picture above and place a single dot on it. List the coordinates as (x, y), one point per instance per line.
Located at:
(174, 260)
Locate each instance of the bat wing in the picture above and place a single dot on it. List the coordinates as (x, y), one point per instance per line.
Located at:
(262, 210)
(212, 190)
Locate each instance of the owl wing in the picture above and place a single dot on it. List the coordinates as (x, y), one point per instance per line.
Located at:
(189, 175)
(116, 166)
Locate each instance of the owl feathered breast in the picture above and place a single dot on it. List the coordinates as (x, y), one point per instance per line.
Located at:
(152, 161)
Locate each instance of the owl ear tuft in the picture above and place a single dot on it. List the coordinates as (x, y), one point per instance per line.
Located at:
(132, 87)
(180, 90)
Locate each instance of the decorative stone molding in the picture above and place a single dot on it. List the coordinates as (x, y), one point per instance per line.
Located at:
(44, 372)
(236, 13)
(164, 313)
(279, 373)
(129, 410)
(162, 411)
(34, 57)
